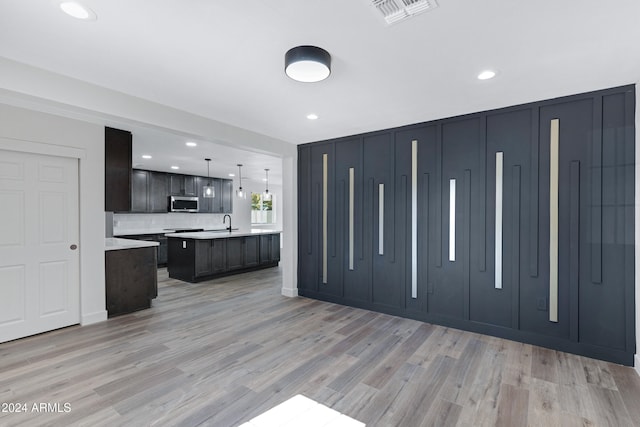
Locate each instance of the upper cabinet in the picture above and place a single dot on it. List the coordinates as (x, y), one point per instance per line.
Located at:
(117, 170)
(182, 185)
(222, 202)
(150, 191)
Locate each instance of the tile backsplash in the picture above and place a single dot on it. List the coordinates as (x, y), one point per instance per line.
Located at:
(125, 223)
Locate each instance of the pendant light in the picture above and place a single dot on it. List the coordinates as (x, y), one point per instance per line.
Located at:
(266, 195)
(307, 64)
(208, 191)
(240, 192)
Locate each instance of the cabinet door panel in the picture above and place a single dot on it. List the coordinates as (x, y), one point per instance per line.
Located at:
(251, 247)
(459, 148)
(176, 184)
(189, 186)
(218, 255)
(378, 167)
(508, 133)
(353, 250)
(575, 131)
(308, 261)
(203, 258)
(158, 195)
(117, 193)
(234, 253)
(275, 247)
(139, 191)
(226, 198)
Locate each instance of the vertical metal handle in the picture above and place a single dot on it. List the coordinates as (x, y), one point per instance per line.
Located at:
(325, 173)
(380, 219)
(414, 219)
(498, 230)
(351, 214)
(452, 219)
(554, 166)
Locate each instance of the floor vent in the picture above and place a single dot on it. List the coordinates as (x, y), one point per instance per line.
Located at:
(398, 10)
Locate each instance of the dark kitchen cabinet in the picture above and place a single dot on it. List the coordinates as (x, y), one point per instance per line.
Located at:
(222, 202)
(148, 191)
(139, 191)
(269, 248)
(131, 280)
(207, 204)
(235, 253)
(226, 187)
(450, 222)
(251, 249)
(117, 168)
(158, 200)
(195, 260)
(210, 256)
(182, 185)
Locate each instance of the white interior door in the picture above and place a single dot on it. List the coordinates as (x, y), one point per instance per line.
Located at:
(39, 258)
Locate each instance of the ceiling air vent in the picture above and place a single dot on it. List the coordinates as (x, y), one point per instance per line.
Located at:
(397, 10)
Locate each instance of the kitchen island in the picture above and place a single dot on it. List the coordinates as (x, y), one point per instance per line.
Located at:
(198, 256)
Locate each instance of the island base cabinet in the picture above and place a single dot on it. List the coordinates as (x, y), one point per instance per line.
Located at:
(131, 280)
(195, 260)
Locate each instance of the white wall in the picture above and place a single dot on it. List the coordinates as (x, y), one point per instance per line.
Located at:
(54, 135)
(39, 90)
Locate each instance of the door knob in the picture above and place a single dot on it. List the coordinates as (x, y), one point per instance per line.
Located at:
(73, 247)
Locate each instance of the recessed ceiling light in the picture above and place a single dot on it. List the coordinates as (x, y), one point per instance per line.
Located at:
(175, 167)
(146, 156)
(232, 174)
(191, 144)
(486, 75)
(77, 10)
(264, 179)
(312, 116)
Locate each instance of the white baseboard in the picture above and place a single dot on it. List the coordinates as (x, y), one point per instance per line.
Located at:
(637, 363)
(292, 293)
(98, 316)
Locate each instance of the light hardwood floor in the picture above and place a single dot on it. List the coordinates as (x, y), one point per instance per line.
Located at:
(221, 352)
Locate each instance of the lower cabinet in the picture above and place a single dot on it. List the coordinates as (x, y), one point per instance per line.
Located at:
(269, 248)
(131, 280)
(194, 260)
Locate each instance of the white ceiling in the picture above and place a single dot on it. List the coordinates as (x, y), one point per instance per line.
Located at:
(223, 59)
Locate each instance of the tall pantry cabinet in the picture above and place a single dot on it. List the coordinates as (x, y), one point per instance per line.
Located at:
(516, 222)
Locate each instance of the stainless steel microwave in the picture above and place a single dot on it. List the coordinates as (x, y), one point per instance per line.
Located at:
(183, 204)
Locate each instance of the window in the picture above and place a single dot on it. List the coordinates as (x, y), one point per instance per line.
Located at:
(262, 211)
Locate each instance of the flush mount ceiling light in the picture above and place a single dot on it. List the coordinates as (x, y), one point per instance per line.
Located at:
(307, 64)
(240, 192)
(146, 156)
(191, 144)
(312, 116)
(77, 10)
(175, 167)
(486, 75)
(208, 191)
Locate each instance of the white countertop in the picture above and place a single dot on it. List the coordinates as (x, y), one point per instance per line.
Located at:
(208, 235)
(114, 244)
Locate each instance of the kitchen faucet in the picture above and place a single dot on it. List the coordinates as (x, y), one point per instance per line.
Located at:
(224, 221)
